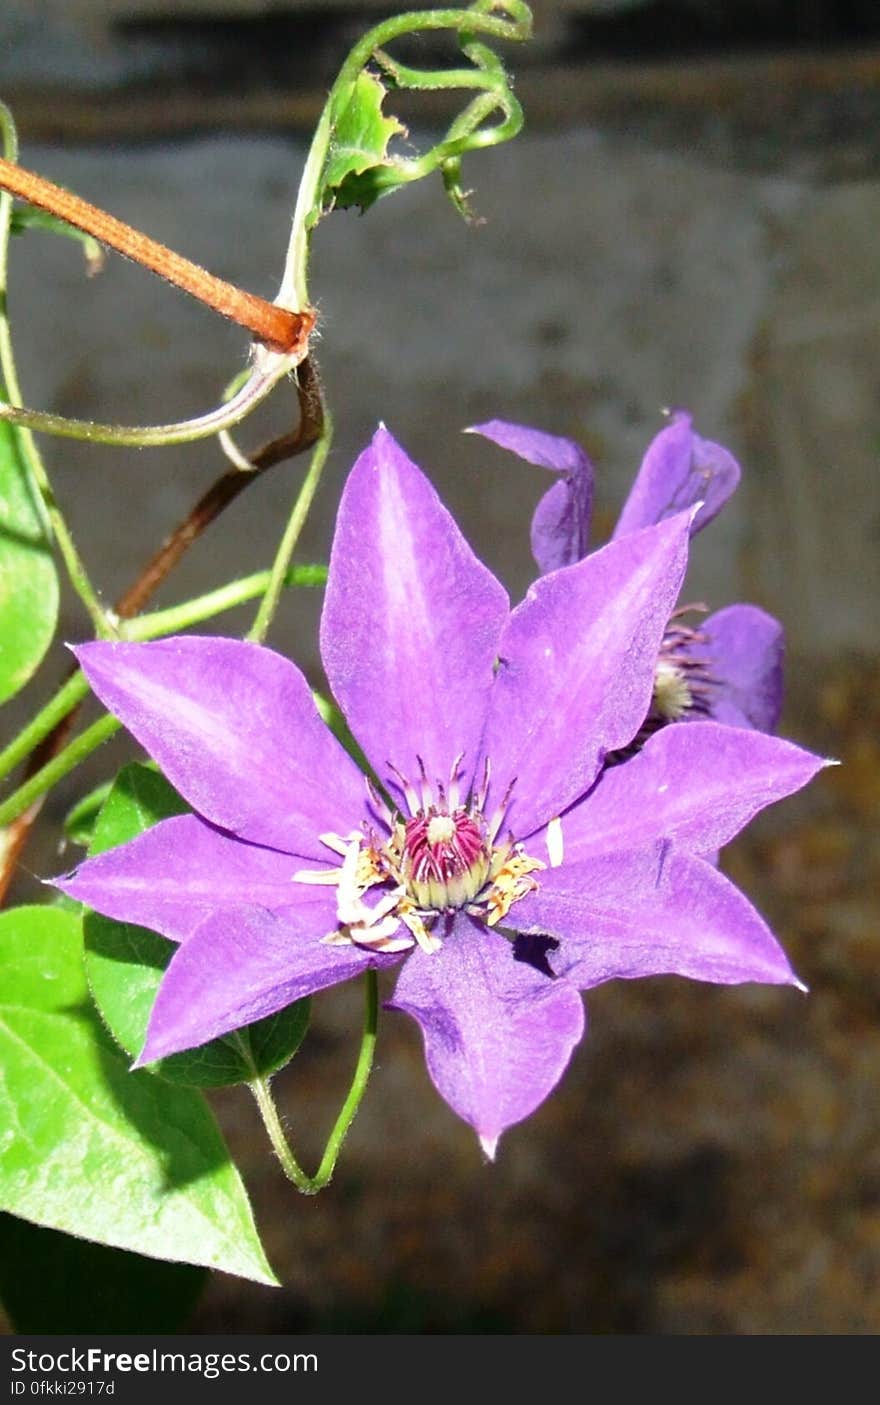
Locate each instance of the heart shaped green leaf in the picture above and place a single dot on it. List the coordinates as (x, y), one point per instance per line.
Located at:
(89, 1147)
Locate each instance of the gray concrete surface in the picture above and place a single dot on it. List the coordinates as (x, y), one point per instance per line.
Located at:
(608, 281)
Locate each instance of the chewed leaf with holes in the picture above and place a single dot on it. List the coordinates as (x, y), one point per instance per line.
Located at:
(359, 169)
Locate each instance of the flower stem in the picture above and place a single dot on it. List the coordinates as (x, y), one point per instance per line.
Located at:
(272, 1122)
(10, 388)
(310, 1185)
(278, 573)
(358, 1087)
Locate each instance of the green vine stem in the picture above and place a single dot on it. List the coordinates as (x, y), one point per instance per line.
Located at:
(296, 521)
(499, 19)
(270, 368)
(310, 1185)
(76, 571)
(152, 626)
(215, 602)
(55, 770)
(69, 696)
(515, 23)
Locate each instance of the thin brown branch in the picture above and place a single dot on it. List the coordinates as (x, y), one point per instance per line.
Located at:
(277, 327)
(225, 490)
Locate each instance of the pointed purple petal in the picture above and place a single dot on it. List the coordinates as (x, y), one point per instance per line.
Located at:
(173, 876)
(498, 1034)
(679, 469)
(240, 966)
(234, 728)
(744, 650)
(577, 670)
(411, 619)
(561, 524)
(652, 913)
(696, 783)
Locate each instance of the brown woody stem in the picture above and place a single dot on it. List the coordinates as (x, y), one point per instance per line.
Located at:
(225, 489)
(277, 327)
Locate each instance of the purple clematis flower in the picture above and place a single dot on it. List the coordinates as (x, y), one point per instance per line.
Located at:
(495, 861)
(727, 667)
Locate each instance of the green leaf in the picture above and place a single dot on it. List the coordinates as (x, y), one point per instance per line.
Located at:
(52, 1282)
(125, 963)
(27, 217)
(80, 820)
(28, 579)
(358, 168)
(87, 1146)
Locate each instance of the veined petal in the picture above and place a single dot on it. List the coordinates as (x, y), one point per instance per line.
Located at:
(173, 876)
(695, 783)
(657, 912)
(679, 470)
(234, 728)
(744, 651)
(498, 1034)
(243, 965)
(577, 670)
(561, 523)
(411, 620)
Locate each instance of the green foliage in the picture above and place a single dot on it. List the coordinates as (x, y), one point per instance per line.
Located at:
(27, 217)
(28, 580)
(358, 157)
(91, 1148)
(81, 818)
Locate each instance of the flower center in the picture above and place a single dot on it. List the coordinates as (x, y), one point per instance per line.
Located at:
(683, 683)
(672, 697)
(445, 859)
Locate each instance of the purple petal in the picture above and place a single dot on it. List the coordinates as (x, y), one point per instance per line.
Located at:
(234, 728)
(744, 650)
(679, 469)
(411, 619)
(561, 524)
(696, 783)
(240, 966)
(498, 1034)
(652, 913)
(577, 670)
(173, 876)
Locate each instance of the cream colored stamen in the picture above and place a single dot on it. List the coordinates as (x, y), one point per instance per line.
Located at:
(441, 828)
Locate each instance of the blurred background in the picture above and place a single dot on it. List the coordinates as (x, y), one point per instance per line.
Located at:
(689, 219)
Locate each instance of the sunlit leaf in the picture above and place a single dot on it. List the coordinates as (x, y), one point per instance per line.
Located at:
(28, 579)
(359, 169)
(87, 1146)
